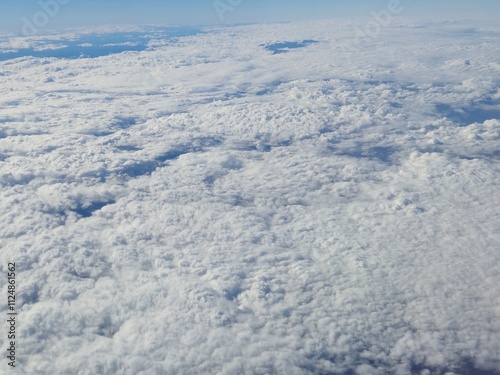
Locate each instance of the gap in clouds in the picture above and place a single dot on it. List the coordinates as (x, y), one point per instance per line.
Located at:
(98, 44)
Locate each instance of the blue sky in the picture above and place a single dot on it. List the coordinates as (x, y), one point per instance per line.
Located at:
(58, 14)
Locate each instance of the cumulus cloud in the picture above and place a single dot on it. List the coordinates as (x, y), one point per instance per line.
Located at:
(207, 206)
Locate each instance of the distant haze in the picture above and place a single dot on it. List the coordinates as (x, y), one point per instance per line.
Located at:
(61, 14)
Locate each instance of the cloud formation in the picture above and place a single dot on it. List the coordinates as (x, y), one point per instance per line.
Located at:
(207, 206)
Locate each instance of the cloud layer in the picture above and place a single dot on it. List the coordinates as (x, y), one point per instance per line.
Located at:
(207, 206)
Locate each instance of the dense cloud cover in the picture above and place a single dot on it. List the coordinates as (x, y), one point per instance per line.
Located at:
(209, 206)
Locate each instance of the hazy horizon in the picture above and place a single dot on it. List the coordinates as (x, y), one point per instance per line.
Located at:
(59, 15)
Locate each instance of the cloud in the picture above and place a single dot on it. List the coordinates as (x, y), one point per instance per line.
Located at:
(244, 212)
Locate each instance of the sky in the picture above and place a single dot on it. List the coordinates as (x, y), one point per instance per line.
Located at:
(63, 14)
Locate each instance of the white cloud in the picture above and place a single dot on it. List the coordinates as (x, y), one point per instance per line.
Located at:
(209, 207)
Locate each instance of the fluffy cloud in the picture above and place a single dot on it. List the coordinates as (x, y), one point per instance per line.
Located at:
(210, 207)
